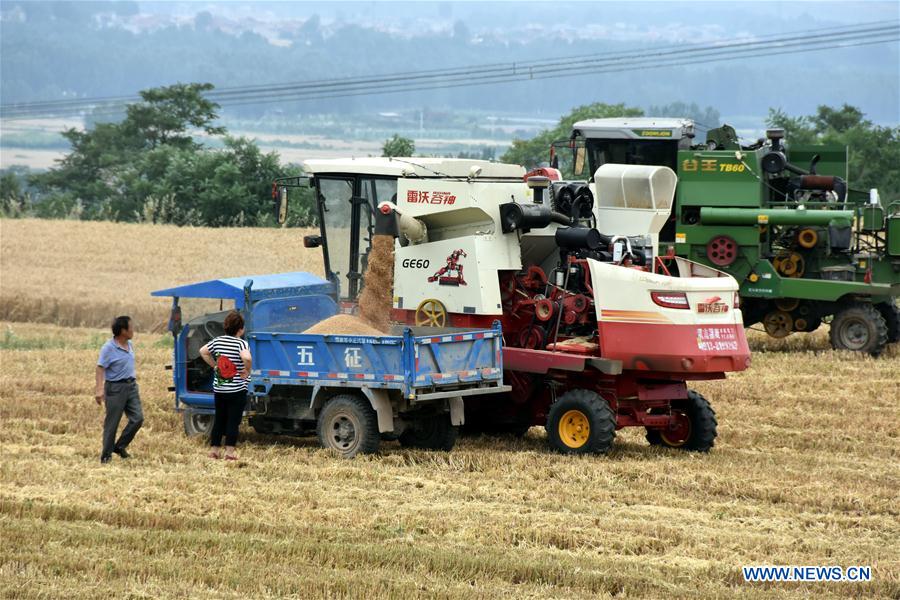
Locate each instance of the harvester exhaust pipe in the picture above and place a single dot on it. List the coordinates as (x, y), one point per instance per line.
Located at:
(539, 185)
(829, 183)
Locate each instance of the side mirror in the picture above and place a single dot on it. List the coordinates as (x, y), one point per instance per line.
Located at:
(281, 209)
(579, 160)
(312, 241)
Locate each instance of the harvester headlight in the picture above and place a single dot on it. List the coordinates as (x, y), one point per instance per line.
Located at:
(670, 299)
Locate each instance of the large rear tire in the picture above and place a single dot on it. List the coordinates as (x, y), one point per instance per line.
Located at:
(581, 422)
(695, 427)
(349, 425)
(859, 327)
(891, 314)
(430, 433)
(196, 423)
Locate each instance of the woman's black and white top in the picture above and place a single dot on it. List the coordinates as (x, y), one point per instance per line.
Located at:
(226, 350)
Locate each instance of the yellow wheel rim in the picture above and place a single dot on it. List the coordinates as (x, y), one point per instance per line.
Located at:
(574, 429)
(431, 313)
(808, 238)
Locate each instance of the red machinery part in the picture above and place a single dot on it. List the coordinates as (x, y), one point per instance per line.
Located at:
(535, 279)
(543, 309)
(548, 172)
(579, 302)
(722, 250)
(532, 338)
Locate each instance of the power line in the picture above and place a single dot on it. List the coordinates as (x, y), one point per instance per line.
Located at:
(558, 65)
(457, 81)
(468, 83)
(288, 97)
(509, 72)
(494, 68)
(605, 66)
(515, 71)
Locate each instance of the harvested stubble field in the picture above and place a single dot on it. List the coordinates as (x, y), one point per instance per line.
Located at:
(805, 471)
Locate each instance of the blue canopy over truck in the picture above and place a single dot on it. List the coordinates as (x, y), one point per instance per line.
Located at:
(351, 389)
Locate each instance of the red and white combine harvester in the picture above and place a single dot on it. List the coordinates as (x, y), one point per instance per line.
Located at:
(599, 331)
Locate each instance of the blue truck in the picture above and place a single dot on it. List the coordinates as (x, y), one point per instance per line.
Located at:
(350, 390)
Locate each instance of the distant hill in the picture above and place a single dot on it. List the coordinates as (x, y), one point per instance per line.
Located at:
(88, 49)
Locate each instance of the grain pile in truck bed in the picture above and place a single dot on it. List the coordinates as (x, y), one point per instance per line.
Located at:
(377, 297)
(345, 324)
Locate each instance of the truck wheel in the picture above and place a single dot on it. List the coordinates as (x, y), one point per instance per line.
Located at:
(430, 433)
(859, 327)
(694, 427)
(348, 425)
(891, 315)
(581, 422)
(196, 423)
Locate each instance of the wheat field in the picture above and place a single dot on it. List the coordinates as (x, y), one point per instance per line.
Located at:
(82, 273)
(805, 471)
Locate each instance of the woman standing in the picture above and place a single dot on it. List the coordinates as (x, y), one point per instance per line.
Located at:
(229, 356)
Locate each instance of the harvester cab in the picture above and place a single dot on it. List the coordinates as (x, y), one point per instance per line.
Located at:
(599, 333)
(780, 218)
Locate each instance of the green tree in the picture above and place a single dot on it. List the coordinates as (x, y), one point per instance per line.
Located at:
(874, 151)
(10, 194)
(398, 146)
(167, 113)
(535, 151)
(148, 167)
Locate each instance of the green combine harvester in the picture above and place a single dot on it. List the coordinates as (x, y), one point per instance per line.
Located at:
(780, 218)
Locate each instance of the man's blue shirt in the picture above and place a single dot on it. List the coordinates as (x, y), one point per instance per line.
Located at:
(118, 362)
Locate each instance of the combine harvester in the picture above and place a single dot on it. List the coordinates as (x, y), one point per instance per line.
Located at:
(599, 332)
(804, 246)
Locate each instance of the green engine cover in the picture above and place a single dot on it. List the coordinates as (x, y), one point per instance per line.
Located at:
(893, 234)
(718, 178)
(872, 218)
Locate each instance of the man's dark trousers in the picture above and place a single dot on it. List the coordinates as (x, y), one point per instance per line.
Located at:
(121, 396)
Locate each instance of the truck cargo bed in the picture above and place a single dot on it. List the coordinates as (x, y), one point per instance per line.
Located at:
(421, 367)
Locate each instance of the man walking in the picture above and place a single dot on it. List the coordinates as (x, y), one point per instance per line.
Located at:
(116, 385)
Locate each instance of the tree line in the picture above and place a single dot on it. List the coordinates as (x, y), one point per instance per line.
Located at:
(150, 167)
(157, 165)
